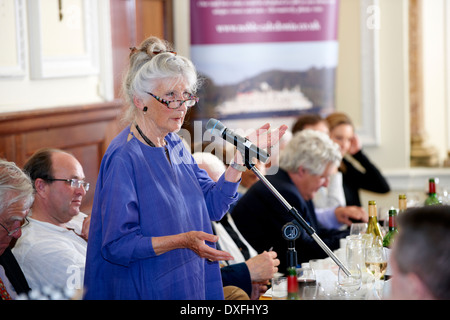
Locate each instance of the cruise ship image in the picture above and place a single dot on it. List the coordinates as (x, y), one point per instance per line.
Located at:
(263, 103)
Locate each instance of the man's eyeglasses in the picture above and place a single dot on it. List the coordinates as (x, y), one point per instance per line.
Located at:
(74, 183)
(10, 233)
(175, 104)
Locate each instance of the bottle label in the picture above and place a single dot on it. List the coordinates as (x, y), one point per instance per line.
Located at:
(292, 284)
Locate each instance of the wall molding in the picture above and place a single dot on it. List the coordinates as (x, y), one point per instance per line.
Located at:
(369, 132)
(43, 67)
(43, 119)
(17, 70)
(83, 130)
(416, 179)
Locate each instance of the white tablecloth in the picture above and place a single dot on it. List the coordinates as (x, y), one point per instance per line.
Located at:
(326, 276)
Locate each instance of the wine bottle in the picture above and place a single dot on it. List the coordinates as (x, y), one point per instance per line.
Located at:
(292, 284)
(402, 203)
(373, 228)
(432, 198)
(389, 238)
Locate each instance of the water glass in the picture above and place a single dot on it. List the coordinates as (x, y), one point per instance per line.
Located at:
(307, 284)
(279, 288)
(355, 250)
(350, 284)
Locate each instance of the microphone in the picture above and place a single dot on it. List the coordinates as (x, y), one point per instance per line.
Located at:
(245, 146)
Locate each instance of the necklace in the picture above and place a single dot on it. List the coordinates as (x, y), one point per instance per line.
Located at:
(149, 142)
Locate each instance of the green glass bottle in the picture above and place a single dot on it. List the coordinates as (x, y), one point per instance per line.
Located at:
(432, 198)
(373, 228)
(292, 284)
(389, 238)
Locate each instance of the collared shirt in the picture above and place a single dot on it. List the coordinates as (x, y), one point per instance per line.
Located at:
(51, 255)
(327, 199)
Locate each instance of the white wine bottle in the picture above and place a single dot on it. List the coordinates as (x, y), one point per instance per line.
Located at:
(402, 203)
(373, 228)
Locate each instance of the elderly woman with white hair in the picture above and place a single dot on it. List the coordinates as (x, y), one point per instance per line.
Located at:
(306, 164)
(150, 234)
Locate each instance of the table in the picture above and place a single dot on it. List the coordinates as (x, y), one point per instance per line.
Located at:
(326, 276)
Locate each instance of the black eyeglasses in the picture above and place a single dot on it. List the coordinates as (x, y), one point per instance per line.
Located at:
(10, 233)
(190, 102)
(74, 183)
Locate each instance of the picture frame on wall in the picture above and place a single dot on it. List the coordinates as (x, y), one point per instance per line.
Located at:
(63, 38)
(12, 33)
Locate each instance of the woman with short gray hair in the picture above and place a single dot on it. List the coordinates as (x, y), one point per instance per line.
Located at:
(150, 234)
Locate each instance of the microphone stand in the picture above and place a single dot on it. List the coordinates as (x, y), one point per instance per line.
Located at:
(297, 216)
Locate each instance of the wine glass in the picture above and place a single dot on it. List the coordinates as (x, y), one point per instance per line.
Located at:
(376, 261)
(358, 228)
(376, 265)
(350, 284)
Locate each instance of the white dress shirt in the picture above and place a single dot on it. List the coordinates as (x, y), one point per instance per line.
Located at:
(50, 255)
(327, 199)
(227, 244)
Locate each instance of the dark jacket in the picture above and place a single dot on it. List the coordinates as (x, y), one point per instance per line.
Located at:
(260, 217)
(14, 272)
(354, 180)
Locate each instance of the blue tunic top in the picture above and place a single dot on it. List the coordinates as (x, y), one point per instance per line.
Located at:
(140, 195)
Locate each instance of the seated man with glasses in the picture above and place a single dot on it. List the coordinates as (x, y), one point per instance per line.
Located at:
(16, 197)
(52, 248)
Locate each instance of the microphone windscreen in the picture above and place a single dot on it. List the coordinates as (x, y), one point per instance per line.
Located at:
(215, 126)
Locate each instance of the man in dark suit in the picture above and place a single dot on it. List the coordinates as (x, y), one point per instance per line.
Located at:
(305, 164)
(16, 198)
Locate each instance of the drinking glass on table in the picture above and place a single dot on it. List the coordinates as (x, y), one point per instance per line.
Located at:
(376, 261)
(383, 219)
(376, 265)
(355, 250)
(350, 284)
(279, 288)
(307, 285)
(358, 228)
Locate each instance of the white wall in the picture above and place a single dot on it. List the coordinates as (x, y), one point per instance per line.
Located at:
(21, 92)
(392, 153)
(434, 72)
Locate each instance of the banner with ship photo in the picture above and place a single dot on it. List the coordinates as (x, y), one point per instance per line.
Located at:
(264, 60)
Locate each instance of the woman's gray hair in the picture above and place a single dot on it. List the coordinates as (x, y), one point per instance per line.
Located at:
(15, 185)
(152, 62)
(310, 149)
